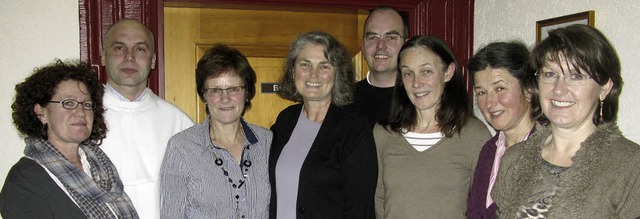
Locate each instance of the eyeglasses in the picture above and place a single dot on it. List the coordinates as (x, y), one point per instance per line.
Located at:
(217, 92)
(388, 38)
(73, 104)
(572, 79)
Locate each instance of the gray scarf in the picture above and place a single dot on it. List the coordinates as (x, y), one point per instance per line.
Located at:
(91, 193)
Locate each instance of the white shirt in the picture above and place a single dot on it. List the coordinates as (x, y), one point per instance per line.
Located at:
(423, 141)
(136, 142)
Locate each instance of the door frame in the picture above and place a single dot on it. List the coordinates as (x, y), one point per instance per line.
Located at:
(451, 20)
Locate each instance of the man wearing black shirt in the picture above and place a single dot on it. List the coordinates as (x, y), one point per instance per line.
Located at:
(385, 31)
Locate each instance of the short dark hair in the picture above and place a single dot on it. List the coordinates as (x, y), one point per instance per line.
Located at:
(405, 24)
(455, 108)
(41, 86)
(336, 53)
(514, 57)
(222, 59)
(586, 48)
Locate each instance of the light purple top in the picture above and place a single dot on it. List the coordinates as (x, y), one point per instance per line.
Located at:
(289, 165)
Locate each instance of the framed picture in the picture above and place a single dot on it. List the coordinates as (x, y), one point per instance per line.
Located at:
(544, 26)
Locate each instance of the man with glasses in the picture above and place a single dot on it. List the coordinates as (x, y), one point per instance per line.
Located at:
(139, 122)
(385, 30)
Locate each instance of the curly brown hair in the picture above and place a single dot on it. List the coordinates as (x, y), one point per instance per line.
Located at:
(40, 87)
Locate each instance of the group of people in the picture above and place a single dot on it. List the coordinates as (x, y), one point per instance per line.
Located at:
(402, 143)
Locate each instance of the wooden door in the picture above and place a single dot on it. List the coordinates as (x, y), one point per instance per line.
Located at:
(262, 35)
(451, 20)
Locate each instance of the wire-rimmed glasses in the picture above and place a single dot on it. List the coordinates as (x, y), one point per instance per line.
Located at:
(388, 38)
(217, 92)
(572, 78)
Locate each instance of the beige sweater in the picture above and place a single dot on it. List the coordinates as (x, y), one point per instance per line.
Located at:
(603, 182)
(434, 183)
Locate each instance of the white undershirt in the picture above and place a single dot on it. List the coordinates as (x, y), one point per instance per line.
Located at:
(423, 141)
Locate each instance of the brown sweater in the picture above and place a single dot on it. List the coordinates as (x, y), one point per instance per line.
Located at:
(603, 182)
(434, 183)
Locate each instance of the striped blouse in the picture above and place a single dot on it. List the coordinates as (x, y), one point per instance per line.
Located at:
(194, 184)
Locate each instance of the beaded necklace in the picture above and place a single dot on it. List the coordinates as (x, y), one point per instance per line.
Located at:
(244, 169)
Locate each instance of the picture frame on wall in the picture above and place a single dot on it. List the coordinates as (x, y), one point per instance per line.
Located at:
(544, 26)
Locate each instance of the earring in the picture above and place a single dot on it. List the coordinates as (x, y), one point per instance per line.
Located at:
(601, 103)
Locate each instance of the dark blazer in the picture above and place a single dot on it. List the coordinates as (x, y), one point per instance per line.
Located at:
(476, 204)
(338, 176)
(29, 192)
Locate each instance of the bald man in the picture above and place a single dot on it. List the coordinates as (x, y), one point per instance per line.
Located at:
(140, 123)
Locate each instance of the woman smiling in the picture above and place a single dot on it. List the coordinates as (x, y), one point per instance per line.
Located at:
(580, 165)
(428, 149)
(322, 162)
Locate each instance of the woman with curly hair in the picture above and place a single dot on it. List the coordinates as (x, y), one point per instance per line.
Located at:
(64, 174)
(323, 159)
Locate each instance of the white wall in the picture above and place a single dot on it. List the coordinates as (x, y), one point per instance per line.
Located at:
(503, 20)
(34, 32)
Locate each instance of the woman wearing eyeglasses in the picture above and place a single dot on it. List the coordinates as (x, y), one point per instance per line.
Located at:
(580, 165)
(218, 168)
(64, 174)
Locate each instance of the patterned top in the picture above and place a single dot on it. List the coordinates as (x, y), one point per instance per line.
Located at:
(201, 180)
(539, 204)
(602, 181)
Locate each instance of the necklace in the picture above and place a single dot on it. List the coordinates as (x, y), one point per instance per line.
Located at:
(244, 168)
(245, 164)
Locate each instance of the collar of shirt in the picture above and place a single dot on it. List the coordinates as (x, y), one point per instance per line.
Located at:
(501, 147)
(119, 96)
